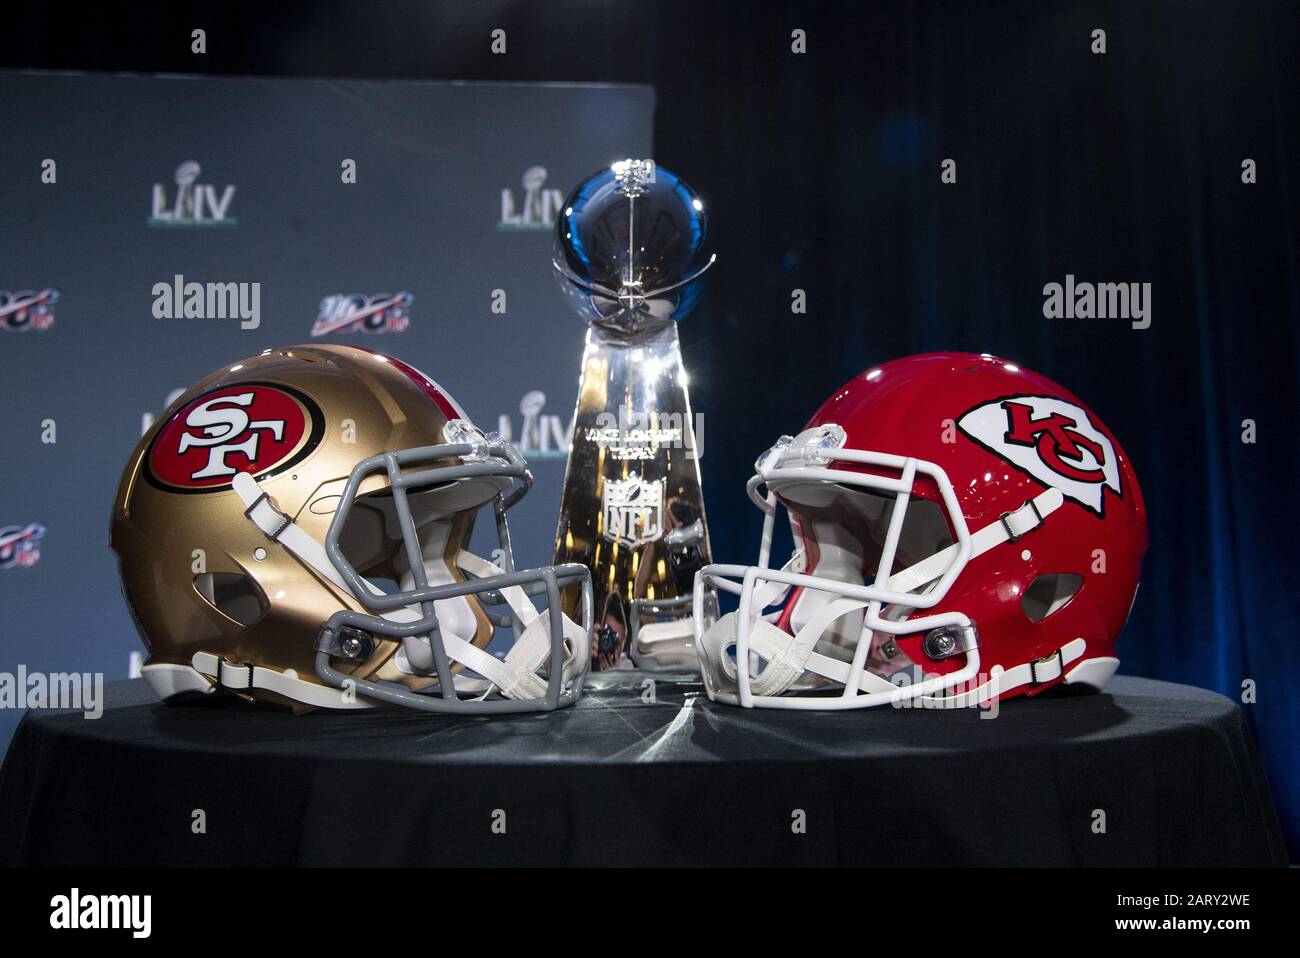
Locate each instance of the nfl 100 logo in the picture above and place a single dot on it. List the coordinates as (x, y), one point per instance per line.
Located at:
(20, 546)
(28, 309)
(351, 313)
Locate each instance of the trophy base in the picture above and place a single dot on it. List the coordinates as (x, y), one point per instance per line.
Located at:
(667, 645)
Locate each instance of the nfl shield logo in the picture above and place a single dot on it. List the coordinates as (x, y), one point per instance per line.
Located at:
(634, 511)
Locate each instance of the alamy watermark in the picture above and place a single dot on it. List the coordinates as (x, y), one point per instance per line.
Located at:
(1071, 300)
(83, 691)
(76, 910)
(181, 300)
(640, 435)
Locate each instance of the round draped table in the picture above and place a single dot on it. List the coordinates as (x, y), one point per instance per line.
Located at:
(1148, 774)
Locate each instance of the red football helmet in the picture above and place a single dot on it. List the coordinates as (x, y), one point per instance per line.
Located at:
(965, 530)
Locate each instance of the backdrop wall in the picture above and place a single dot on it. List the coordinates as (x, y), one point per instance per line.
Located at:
(438, 220)
(822, 170)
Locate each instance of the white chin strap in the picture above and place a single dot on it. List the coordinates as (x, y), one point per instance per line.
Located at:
(1038, 672)
(788, 657)
(455, 616)
(778, 659)
(514, 677)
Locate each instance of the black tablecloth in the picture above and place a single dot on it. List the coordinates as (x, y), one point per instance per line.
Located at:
(622, 781)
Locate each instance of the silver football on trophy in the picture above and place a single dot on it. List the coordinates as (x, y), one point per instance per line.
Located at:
(630, 246)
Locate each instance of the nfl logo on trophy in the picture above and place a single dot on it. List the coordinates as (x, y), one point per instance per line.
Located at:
(634, 511)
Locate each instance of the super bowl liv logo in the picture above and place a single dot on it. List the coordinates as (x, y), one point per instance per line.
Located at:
(541, 435)
(194, 204)
(537, 207)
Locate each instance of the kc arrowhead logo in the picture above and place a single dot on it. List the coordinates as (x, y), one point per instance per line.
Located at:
(1052, 440)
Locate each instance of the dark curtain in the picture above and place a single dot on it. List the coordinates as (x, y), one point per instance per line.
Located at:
(822, 173)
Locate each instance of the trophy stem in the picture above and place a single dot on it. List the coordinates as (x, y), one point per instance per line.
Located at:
(632, 509)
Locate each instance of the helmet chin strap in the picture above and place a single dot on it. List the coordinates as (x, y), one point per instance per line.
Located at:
(839, 558)
(514, 677)
(455, 616)
(1011, 526)
(789, 656)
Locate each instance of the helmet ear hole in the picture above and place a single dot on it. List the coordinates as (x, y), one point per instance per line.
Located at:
(1048, 593)
(233, 594)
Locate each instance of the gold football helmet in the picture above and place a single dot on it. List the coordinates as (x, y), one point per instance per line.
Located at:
(294, 529)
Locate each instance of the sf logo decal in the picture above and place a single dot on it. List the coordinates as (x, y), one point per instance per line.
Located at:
(1054, 441)
(225, 428)
(253, 427)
